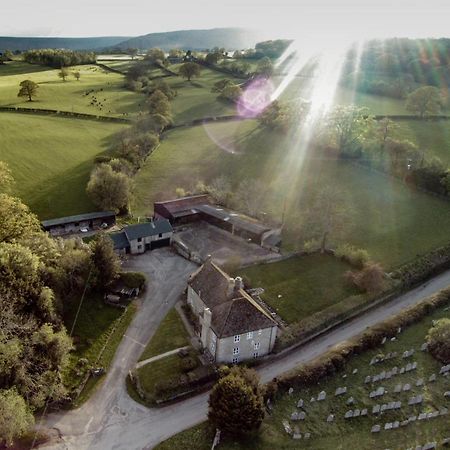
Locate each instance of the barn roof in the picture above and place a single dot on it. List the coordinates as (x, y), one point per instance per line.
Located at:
(77, 218)
(179, 205)
(145, 229)
(120, 240)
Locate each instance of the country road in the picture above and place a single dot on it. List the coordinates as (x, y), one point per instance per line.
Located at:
(112, 420)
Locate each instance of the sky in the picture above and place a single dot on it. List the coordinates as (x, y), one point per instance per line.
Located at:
(320, 19)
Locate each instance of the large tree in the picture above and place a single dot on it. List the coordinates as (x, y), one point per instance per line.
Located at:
(155, 56)
(15, 417)
(28, 89)
(424, 101)
(63, 73)
(189, 70)
(347, 125)
(264, 67)
(236, 405)
(158, 103)
(109, 189)
(105, 262)
(438, 339)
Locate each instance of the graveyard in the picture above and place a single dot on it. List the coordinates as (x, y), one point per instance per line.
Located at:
(394, 397)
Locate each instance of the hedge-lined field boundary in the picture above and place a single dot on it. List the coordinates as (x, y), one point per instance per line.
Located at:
(55, 112)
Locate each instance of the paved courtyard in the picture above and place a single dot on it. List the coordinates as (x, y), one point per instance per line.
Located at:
(205, 239)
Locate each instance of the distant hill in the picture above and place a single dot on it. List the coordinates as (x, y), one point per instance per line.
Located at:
(89, 43)
(230, 38)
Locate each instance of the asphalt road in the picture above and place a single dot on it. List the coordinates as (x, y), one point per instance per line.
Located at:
(112, 420)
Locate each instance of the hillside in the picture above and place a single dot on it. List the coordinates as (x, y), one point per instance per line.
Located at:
(230, 38)
(88, 43)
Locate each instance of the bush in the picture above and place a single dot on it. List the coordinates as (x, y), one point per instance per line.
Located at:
(133, 279)
(438, 339)
(189, 363)
(369, 279)
(356, 257)
(102, 159)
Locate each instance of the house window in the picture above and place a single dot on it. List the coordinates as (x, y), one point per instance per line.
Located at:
(214, 337)
(259, 332)
(236, 351)
(250, 335)
(256, 345)
(213, 348)
(139, 247)
(160, 235)
(139, 239)
(235, 360)
(237, 338)
(255, 355)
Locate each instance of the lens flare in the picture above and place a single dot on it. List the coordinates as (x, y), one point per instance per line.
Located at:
(255, 98)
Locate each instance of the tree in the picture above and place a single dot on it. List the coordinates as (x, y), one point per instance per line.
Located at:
(220, 190)
(28, 89)
(250, 196)
(105, 262)
(236, 404)
(438, 339)
(213, 58)
(76, 75)
(63, 73)
(155, 56)
(325, 216)
(109, 189)
(369, 279)
(220, 85)
(231, 92)
(132, 52)
(282, 116)
(158, 103)
(189, 70)
(16, 418)
(175, 53)
(347, 125)
(424, 101)
(264, 67)
(6, 178)
(16, 220)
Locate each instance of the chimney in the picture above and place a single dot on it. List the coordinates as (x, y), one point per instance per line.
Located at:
(230, 288)
(206, 325)
(238, 283)
(234, 285)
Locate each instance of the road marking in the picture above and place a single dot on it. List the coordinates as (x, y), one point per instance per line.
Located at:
(134, 340)
(86, 428)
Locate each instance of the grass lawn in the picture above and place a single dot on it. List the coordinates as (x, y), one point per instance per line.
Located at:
(391, 221)
(97, 324)
(306, 284)
(195, 99)
(352, 433)
(53, 93)
(19, 68)
(51, 159)
(170, 335)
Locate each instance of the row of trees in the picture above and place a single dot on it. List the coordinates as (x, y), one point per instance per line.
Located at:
(58, 58)
(37, 275)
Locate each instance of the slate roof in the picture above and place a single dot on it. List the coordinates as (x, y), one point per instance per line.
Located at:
(120, 240)
(233, 311)
(145, 229)
(77, 218)
(179, 205)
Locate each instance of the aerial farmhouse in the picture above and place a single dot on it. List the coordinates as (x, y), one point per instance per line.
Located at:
(233, 326)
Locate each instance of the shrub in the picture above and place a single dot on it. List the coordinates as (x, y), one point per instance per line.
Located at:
(189, 363)
(356, 257)
(438, 339)
(370, 279)
(102, 159)
(133, 279)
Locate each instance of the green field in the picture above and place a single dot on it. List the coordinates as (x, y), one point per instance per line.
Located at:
(391, 221)
(351, 433)
(171, 334)
(296, 288)
(71, 96)
(195, 99)
(51, 159)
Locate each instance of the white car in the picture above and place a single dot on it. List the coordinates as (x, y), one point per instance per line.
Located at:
(84, 230)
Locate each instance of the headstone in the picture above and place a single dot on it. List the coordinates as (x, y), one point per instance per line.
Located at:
(312, 400)
(403, 423)
(419, 382)
(375, 429)
(368, 379)
(301, 415)
(432, 378)
(393, 339)
(405, 354)
(294, 416)
(419, 399)
(296, 434)
(356, 413)
(376, 409)
(340, 391)
(287, 427)
(344, 376)
(355, 371)
(399, 330)
(307, 435)
(322, 396)
(383, 341)
(348, 414)
(388, 375)
(408, 367)
(447, 394)
(330, 418)
(364, 412)
(424, 346)
(402, 370)
(380, 391)
(443, 411)
(398, 405)
(290, 391)
(429, 446)
(396, 424)
(414, 365)
(384, 407)
(300, 403)
(406, 387)
(394, 370)
(350, 401)
(422, 416)
(388, 426)
(398, 388)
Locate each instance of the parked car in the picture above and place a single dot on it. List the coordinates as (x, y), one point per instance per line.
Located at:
(103, 225)
(84, 229)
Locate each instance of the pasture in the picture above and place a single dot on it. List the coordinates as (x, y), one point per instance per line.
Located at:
(344, 433)
(386, 217)
(51, 159)
(98, 92)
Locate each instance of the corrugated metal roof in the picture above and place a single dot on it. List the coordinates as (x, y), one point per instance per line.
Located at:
(145, 229)
(77, 218)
